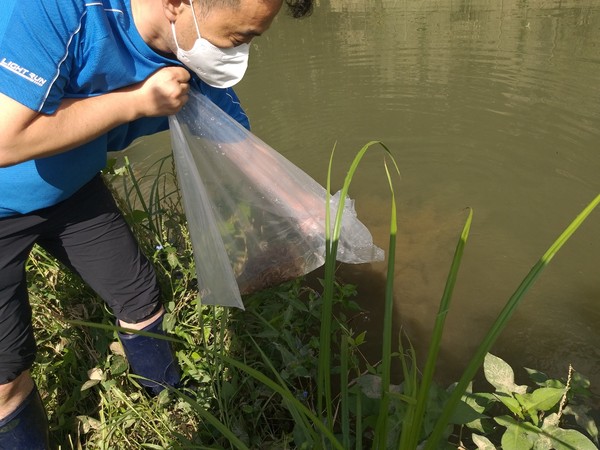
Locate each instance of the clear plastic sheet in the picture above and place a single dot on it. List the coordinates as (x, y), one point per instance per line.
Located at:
(255, 219)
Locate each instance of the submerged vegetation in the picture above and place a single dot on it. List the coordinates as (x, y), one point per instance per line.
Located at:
(287, 373)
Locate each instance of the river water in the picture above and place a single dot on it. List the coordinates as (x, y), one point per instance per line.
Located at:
(487, 104)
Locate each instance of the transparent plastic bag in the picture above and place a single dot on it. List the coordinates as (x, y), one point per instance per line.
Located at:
(255, 219)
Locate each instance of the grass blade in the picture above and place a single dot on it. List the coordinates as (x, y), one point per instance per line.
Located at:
(324, 370)
(288, 396)
(344, 391)
(501, 321)
(226, 432)
(381, 427)
(414, 429)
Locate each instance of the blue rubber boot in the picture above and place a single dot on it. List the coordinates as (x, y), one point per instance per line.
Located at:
(26, 427)
(151, 358)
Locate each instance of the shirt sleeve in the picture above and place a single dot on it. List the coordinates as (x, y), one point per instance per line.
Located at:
(35, 54)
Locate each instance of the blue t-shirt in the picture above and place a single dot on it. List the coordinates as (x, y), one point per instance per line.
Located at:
(56, 49)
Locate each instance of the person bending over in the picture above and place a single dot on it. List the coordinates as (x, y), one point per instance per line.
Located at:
(79, 79)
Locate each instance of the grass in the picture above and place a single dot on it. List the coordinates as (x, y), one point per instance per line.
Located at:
(286, 373)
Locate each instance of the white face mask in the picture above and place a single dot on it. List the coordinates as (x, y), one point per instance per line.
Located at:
(217, 67)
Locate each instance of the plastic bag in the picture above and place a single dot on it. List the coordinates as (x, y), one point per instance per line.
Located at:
(255, 219)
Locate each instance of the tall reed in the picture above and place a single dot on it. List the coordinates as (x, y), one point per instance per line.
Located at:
(332, 236)
(330, 424)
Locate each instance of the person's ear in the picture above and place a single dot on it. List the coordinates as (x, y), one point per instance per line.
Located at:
(173, 8)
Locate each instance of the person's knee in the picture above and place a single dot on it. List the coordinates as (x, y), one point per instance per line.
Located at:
(17, 341)
(13, 393)
(17, 354)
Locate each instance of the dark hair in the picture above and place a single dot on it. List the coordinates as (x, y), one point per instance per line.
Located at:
(300, 8)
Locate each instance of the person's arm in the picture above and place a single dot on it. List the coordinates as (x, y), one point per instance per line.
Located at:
(26, 134)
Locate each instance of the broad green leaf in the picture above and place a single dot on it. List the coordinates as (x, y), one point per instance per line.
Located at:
(139, 216)
(583, 420)
(550, 420)
(528, 405)
(482, 442)
(515, 438)
(477, 425)
(552, 383)
(520, 434)
(569, 439)
(536, 376)
(544, 399)
(172, 258)
(511, 403)
(479, 401)
(370, 385)
(580, 382)
(118, 365)
(464, 413)
(500, 375)
(360, 338)
(507, 421)
(169, 322)
(543, 442)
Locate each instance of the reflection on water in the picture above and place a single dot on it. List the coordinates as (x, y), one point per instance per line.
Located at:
(488, 104)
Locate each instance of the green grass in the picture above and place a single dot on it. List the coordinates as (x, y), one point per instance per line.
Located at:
(286, 373)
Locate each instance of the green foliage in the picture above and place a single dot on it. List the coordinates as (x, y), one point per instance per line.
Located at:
(286, 373)
(533, 417)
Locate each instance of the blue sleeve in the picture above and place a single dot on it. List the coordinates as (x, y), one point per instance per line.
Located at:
(34, 50)
(227, 100)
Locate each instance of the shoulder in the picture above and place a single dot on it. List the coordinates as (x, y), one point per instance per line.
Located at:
(39, 21)
(34, 38)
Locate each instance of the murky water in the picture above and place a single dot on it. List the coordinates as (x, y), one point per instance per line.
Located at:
(488, 104)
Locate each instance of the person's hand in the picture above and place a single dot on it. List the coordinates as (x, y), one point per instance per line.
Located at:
(163, 93)
(27, 134)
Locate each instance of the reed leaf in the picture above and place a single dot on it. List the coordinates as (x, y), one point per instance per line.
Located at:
(411, 390)
(381, 427)
(500, 323)
(107, 327)
(413, 428)
(358, 429)
(331, 245)
(345, 398)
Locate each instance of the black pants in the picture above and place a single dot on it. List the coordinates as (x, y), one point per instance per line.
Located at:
(88, 234)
